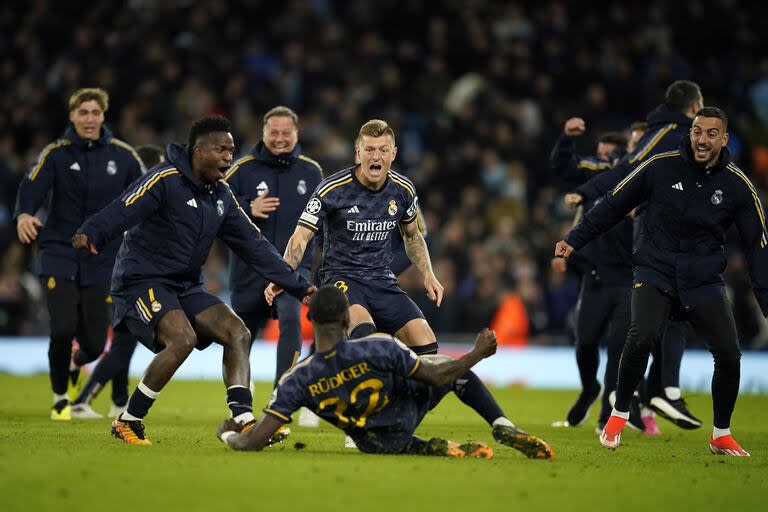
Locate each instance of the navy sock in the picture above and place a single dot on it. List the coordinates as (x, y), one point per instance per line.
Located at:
(424, 350)
(362, 330)
(471, 390)
(141, 400)
(239, 400)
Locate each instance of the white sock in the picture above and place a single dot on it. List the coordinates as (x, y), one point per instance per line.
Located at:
(720, 432)
(128, 417)
(502, 422)
(58, 398)
(244, 418)
(623, 415)
(144, 389)
(644, 411)
(672, 393)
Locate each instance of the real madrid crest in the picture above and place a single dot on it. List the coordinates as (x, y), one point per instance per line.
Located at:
(301, 188)
(392, 207)
(111, 168)
(717, 197)
(156, 306)
(220, 207)
(51, 283)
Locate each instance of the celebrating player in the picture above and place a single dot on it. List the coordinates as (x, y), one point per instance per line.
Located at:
(378, 391)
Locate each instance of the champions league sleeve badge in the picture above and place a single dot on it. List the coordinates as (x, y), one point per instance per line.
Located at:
(313, 206)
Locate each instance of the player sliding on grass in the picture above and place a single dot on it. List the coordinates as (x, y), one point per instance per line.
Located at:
(378, 391)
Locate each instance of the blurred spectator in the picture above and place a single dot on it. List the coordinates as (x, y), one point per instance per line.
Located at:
(479, 91)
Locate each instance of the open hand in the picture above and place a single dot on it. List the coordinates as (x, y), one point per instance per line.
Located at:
(263, 205)
(26, 227)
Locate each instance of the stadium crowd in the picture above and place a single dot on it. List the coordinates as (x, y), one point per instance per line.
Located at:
(477, 91)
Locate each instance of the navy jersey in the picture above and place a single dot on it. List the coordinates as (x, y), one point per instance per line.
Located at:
(358, 222)
(360, 386)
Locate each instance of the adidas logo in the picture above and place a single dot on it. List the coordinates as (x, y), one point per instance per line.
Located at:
(192, 203)
(354, 209)
(75, 166)
(678, 186)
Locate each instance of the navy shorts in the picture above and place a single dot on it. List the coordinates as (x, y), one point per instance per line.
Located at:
(418, 399)
(390, 307)
(139, 307)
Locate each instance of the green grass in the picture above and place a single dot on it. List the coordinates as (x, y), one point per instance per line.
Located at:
(78, 466)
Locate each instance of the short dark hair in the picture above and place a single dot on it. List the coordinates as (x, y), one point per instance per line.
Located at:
(328, 305)
(205, 126)
(614, 138)
(150, 154)
(681, 94)
(714, 112)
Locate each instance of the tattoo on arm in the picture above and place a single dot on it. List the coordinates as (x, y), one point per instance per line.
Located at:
(416, 248)
(297, 245)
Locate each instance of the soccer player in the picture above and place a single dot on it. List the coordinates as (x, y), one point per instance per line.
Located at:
(272, 183)
(357, 210)
(115, 364)
(693, 195)
(667, 124)
(378, 391)
(172, 216)
(82, 171)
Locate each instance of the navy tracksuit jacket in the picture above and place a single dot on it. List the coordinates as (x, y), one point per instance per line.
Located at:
(681, 248)
(172, 219)
(82, 177)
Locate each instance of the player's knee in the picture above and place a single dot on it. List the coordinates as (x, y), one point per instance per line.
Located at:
(727, 358)
(288, 309)
(63, 329)
(362, 330)
(181, 341)
(237, 335)
(641, 337)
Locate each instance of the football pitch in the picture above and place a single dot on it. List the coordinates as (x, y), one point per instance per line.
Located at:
(78, 466)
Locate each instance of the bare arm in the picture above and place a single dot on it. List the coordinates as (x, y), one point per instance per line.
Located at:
(445, 371)
(297, 246)
(294, 253)
(416, 249)
(255, 439)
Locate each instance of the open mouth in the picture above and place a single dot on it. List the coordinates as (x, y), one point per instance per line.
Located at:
(702, 150)
(375, 168)
(223, 170)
